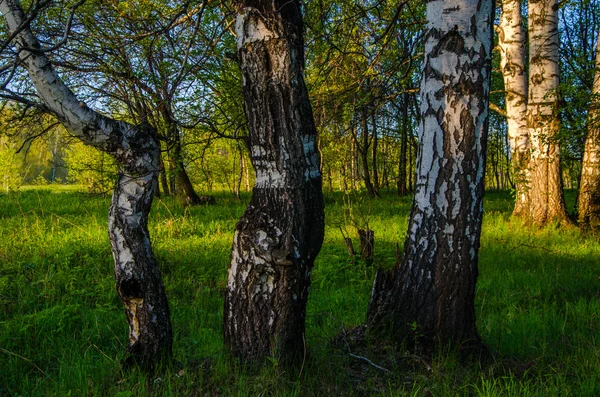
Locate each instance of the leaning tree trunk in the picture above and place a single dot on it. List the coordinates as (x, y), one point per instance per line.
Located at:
(545, 191)
(185, 190)
(281, 232)
(511, 41)
(431, 291)
(588, 204)
(136, 151)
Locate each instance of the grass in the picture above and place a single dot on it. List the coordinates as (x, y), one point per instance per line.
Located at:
(62, 330)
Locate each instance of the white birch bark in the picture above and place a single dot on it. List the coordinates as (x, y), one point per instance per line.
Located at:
(136, 151)
(588, 204)
(434, 284)
(511, 42)
(546, 194)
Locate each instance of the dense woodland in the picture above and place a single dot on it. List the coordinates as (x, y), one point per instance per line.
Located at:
(309, 120)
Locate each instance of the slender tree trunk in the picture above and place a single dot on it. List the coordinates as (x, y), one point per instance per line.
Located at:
(246, 175)
(431, 291)
(588, 203)
(363, 150)
(385, 148)
(402, 180)
(136, 151)
(163, 176)
(546, 190)
(238, 184)
(353, 159)
(374, 154)
(512, 41)
(281, 232)
(411, 164)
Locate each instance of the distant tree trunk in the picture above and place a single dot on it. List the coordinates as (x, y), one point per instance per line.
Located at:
(163, 177)
(385, 148)
(238, 185)
(402, 180)
(363, 150)
(185, 191)
(353, 159)
(493, 157)
(431, 292)
(546, 190)
(136, 151)
(281, 232)
(512, 41)
(374, 153)
(588, 203)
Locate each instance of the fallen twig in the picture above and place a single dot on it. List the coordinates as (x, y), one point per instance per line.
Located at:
(350, 350)
(370, 362)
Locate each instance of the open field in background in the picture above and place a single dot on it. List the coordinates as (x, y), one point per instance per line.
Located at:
(62, 328)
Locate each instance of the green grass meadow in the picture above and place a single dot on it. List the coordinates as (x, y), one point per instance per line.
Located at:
(63, 330)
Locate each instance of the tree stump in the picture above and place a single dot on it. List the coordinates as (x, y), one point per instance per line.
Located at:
(367, 244)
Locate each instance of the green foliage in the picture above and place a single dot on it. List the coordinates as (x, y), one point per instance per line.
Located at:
(62, 330)
(90, 167)
(217, 165)
(10, 173)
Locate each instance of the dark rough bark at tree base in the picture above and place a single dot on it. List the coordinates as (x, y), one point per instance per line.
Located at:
(430, 296)
(281, 232)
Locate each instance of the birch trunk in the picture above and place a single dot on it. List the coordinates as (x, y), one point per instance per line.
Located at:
(588, 204)
(431, 291)
(136, 151)
(546, 193)
(281, 232)
(512, 40)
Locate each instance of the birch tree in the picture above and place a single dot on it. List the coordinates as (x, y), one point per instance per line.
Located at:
(545, 187)
(281, 232)
(511, 42)
(588, 204)
(136, 151)
(431, 291)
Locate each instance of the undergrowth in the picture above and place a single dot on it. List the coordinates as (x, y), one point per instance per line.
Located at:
(62, 329)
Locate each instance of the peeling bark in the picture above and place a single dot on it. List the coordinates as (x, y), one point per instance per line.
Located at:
(511, 41)
(281, 232)
(136, 151)
(588, 204)
(545, 191)
(431, 291)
